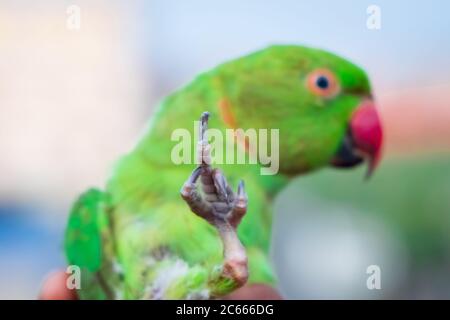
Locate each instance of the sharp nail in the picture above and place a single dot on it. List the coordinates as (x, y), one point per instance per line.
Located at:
(223, 186)
(205, 116)
(203, 126)
(241, 189)
(195, 174)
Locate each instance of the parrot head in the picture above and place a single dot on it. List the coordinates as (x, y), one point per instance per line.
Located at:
(321, 103)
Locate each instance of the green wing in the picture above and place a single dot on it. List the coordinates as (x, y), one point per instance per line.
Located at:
(83, 240)
(89, 244)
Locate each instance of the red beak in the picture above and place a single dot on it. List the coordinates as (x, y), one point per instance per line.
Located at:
(367, 134)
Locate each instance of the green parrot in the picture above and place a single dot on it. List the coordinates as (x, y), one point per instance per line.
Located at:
(138, 239)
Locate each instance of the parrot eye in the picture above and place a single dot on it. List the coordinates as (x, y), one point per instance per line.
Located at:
(322, 82)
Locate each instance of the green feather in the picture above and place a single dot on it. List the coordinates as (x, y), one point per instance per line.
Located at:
(164, 250)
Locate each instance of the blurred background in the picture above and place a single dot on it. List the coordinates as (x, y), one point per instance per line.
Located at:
(79, 79)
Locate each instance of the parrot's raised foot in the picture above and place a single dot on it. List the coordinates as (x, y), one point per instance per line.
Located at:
(220, 206)
(217, 204)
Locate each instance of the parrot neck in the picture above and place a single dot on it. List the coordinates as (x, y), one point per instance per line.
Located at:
(172, 137)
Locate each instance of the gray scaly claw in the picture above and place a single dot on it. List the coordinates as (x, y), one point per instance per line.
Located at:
(219, 206)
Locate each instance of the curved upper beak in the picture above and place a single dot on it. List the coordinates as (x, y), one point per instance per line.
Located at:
(363, 140)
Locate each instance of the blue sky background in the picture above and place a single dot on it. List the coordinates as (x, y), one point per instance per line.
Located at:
(412, 49)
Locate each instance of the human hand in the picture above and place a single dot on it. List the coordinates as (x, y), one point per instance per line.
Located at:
(54, 288)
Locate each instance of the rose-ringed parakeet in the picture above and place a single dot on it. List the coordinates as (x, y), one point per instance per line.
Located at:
(137, 238)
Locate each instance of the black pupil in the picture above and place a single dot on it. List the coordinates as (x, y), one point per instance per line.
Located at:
(322, 82)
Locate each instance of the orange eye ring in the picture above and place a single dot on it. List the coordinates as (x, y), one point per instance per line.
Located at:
(323, 83)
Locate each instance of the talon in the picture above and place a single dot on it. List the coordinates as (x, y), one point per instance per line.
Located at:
(240, 205)
(241, 190)
(194, 175)
(221, 185)
(204, 121)
(203, 148)
(203, 127)
(189, 185)
(241, 199)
